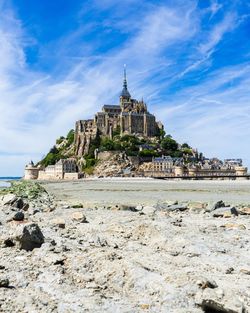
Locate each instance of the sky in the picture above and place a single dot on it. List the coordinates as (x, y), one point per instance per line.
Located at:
(61, 60)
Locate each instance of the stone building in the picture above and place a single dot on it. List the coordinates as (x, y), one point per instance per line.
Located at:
(31, 171)
(63, 169)
(130, 117)
(167, 166)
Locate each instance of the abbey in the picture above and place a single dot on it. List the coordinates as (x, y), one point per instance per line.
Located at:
(130, 117)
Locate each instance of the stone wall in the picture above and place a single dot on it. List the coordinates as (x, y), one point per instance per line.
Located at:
(71, 176)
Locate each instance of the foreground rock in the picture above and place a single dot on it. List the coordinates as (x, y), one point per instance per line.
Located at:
(30, 237)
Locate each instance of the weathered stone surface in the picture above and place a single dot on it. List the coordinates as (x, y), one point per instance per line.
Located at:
(148, 210)
(215, 205)
(60, 222)
(30, 237)
(244, 211)
(196, 206)
(165, 206)
(79, 217)
(213, 300)
(225, 212)
(8, 199)
(234, 226)
(18, 216)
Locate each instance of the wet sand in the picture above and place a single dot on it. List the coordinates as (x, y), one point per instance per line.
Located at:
(147, 191)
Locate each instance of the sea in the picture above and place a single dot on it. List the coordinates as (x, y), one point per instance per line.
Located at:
(5, 181)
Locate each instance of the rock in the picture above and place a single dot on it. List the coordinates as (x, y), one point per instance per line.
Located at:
(244, 271)
(25, 207)
(225, 212)
(139, 208)
(8, 242)
(177, 207)
(234, 226)
(196, 206)
(148, 210)
(79, 217)
(13, 201)
(214, 205)
(204, 283)
(18, 203)
(230, 270)
(125, 207)
(8, 199)
(173, 202)
(244, 211)
(164, 206)
(18, 216)
(30, 237)
(4, 282)
(211, 300)
(59, 222)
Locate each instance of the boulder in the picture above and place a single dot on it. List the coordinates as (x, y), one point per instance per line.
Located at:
(18, 216)
(244, 211)
(8, 199)
(79, 217)
(18, 203)
(196, 206)
(177, 207)
(164, 206)
(216, 300)
(225, 212)
(148, 210)
(215, 205)
(59, 222)
(30, 237)
(13, 201)
(124, 207)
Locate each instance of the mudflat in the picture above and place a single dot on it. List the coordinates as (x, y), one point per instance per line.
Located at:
(136, 191)
(77, 247)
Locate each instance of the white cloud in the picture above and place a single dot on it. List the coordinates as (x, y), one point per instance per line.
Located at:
(216, 119)
(37, 107)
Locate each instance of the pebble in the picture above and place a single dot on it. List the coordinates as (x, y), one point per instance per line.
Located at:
(4, 282)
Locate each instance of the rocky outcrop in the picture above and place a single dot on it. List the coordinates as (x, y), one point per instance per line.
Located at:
(117, 165)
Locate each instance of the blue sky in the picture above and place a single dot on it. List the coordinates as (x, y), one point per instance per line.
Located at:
(62, 60)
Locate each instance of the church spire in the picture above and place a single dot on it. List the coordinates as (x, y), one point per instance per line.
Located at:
(125, 93)
(125, 84)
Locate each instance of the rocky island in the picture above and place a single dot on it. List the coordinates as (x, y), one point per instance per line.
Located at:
(125, 140)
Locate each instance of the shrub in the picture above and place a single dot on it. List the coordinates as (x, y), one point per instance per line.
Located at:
(148, 153)
(70, 137)
(60, 140)
(169, 143)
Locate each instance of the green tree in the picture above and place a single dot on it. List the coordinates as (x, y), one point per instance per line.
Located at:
(70, 137)
(168, 143)
(185, 145)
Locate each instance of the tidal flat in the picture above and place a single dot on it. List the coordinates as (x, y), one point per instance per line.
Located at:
(136, 191)
(125, 245)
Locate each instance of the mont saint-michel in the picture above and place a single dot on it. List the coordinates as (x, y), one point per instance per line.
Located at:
(127, 140)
